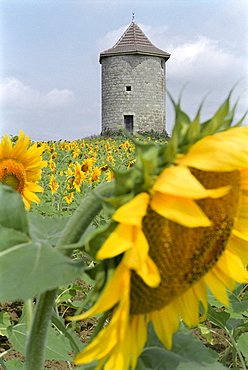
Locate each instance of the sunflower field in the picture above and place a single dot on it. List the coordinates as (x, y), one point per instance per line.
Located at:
(127, 252)
(74, 168)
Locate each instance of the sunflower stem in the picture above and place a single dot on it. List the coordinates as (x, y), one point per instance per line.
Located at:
(78, 223)
(28, 307)
(84, 215)
(36, 338)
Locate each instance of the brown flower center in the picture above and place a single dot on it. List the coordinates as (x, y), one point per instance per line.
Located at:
(12, 173)
(184, 255)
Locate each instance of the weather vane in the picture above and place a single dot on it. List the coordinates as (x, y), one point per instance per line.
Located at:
(133, 17)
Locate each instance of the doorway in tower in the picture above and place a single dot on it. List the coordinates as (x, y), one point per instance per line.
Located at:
(128, 123)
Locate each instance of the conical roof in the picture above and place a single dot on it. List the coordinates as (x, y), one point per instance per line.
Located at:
(134, 41)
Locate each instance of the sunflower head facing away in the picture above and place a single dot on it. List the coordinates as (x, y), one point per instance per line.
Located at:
(20, 167)
(178, 226)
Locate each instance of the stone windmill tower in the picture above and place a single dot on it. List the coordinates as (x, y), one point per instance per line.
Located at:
(133, 84)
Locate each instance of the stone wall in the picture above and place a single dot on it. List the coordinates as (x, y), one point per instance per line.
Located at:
(133, 85)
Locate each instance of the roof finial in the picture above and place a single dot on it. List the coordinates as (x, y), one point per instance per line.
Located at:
(132, 17)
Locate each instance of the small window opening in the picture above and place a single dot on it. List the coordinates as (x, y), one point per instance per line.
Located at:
(128, 88)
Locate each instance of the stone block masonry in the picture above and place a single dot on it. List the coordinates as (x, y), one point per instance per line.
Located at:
(133, 92)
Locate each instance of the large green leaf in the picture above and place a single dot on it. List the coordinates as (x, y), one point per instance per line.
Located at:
(243, 345)
(188, 352)
(57, 345)
(12, 211)
(10, 237)
(47, 228)
(218, 318)
(4, 322)
(14, 364)
(237, 305)
(28, 269)
(28, 263)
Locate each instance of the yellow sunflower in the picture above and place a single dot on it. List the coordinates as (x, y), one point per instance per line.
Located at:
(186, 231)
(78, 177)
(20, 167)
(53, 185)
(95, 175)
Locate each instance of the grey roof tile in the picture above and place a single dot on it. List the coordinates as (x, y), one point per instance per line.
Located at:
(134, 41)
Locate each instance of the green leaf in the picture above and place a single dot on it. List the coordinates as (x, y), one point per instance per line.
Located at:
(218, 318)
(188, 352)
(11, 237)
(46, 229)
(14, 364)
(31, 268)
(243, 345)
(4, 322)
(56, 348)
(237, 305)
(232, 323)
(217, 120)
(12, 210)
(75, 343)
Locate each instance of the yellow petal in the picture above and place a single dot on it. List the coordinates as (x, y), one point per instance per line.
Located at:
(224, 151)
(240, 247)
(138, 336)
(188, 306)
(181, 210)
(137, 259)
(110, 343)
(180, 182)
(32, 186)
(223, 277)
(200, 291)
(120, 240)
(133, 212)
(241, 225)
(233, 266)
(216, 287)
(166, 323)
(111, 294)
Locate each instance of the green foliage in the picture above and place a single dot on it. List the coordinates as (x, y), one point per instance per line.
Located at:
(233, 321)
(59, 341)
(187, 353)
(187, 132)
(29, 264)
(12, 364)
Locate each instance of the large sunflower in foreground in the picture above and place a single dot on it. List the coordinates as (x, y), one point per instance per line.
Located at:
(179, 225)
(20, 167)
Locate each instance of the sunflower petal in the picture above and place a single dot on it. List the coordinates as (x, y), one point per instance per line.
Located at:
(107, 300)
(224, 151)
(132, 212)
(181, 210)
(180, 182)
(166, 322)
(121, 238)
(216, 287)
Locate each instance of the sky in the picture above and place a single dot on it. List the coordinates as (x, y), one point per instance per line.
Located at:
(50, 76)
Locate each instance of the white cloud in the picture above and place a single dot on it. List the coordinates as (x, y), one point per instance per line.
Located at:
(204, 60)
(14, 94)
